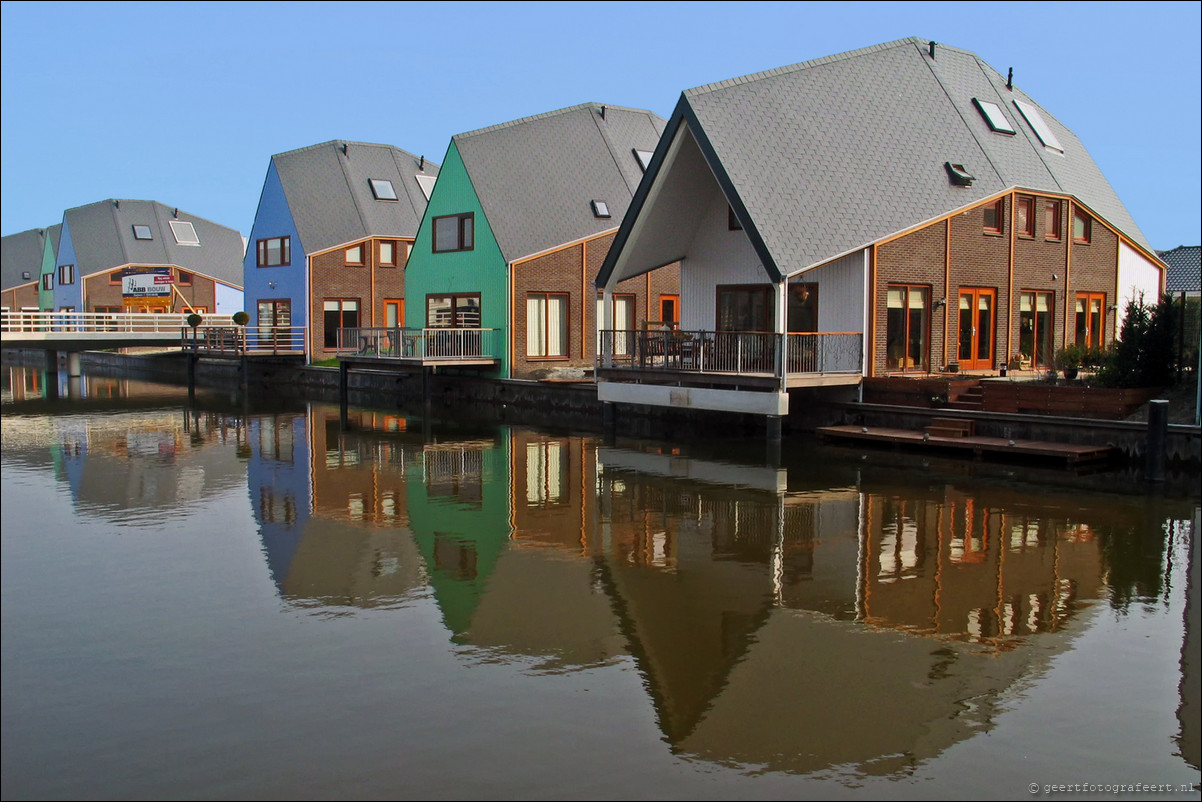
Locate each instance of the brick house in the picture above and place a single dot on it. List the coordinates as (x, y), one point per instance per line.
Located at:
(331, 238)
(518, 226)
(904, 200)
(80, 262)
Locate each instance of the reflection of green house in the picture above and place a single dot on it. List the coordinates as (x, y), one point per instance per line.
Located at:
(459, 511)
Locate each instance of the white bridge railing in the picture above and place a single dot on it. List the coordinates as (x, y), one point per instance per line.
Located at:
(102, 322)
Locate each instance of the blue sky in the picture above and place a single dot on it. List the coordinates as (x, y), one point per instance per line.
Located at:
(185, 103)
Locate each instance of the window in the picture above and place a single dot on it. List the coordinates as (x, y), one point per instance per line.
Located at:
(546, 325)
(185, 278)
(382, 189)
(454, 232)
(48, 281)
(275, 252)
(643, 157)
(1082, 227)
(1051, 220)
(1041, 128)
(426, 183)
(601, 209)
(185, 232)
(461, 311)
(66, 275)
(1090, 322)
(388, 253)
(623, 323)
(1025, 212)
(994, 117)
(354, 255)
(801, 310)
(1035, 327)
(340, 313)
(142, 232)
(115, 277)
(906, 326)
(669, 310)
(994, 215)
(745, 308)
(275, 313)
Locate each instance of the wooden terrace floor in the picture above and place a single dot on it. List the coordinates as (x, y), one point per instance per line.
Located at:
(977, 445)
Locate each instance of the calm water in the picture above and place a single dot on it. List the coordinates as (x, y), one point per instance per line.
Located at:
(216, 601)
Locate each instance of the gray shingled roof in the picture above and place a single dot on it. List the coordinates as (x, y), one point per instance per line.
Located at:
(1185, 268)
(20, 254)
(102, 234)
(536, 177)
(329, 194)
(831, 155)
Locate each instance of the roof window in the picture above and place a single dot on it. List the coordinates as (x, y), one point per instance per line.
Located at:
(643, 157)
(1041, 128)
(185, 232)
(382, 189)
(960, 177)
(426, 182)
(993, 115)
(601, 209)
(142, 232)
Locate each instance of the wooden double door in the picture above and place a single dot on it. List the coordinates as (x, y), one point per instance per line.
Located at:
(977, 327)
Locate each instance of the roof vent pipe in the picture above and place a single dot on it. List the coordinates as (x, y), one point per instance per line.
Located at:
(345, 148)
(422, 164)
(602, 112)
(1010, 80)
(175, 212)
(116, 204)
(931, 46)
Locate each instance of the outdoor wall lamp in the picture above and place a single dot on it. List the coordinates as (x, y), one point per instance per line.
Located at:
(940, 303)
(271, 285)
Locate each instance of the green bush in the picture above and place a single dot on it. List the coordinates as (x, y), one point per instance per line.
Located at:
(241, 318)
(1145, 354)
(194, 320)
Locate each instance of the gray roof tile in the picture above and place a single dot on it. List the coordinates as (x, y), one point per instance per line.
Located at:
(1185, 268)
(535, 177)
(328, 192)
(835, 153)
(21, 253)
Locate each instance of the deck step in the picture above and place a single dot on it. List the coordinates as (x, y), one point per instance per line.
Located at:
(966, 427)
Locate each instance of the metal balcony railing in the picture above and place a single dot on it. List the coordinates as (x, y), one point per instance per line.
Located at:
(441, 344)
(731, 352)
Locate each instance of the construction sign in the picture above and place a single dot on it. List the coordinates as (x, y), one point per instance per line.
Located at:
(148, 286)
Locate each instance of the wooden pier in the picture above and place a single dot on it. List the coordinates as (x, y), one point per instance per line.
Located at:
(958, 434)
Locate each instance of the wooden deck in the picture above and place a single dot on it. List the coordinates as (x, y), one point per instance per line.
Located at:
(976, 445)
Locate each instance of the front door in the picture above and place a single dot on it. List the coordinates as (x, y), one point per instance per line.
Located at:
(977, 325)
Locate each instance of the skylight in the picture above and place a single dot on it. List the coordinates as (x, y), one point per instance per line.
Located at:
(601, 209)
(185, 233)
(426, 182)
(644, 157)
(142, 232)
(382, 189)
(1041, 128)
(993, 115)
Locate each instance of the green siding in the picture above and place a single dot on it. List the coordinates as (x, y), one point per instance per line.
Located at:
(481, 270)
(46, 297)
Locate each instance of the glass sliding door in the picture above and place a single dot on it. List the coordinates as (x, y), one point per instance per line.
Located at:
(1035, 328)
(1090, 320)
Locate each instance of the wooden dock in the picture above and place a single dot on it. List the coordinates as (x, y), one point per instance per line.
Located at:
(978, 446)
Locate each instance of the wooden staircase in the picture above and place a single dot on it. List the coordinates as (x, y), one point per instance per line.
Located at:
(950, 427)
(970, 397)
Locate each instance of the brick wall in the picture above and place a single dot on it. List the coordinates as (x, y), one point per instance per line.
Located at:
(369, 283)
(20, 297)
(978, 259)
(100, 291)
(562, 271)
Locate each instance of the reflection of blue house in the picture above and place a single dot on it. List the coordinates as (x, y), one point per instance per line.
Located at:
(99, 240)
(278, 481)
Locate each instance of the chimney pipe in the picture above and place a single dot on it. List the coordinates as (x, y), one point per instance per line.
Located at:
(422, 165)
(932, 48)
(1010, 80)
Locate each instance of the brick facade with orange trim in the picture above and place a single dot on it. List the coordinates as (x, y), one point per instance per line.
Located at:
(564, 271)
(18, 298)
(369, 283)
(100, 291)
(957, 253)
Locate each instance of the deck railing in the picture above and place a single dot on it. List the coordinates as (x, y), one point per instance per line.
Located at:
(85, 322)
(421, 344)
(732, 352)
(258, 340)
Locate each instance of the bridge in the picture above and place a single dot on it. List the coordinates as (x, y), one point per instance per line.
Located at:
(91, 331)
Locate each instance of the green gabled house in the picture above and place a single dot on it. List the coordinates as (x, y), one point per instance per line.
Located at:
(517, 226)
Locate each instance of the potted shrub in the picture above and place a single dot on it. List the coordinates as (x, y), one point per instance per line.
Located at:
(1068, 361)
(241, 318)
(194, 320)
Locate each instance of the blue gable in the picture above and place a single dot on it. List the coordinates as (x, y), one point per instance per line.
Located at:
(274, 219)
(71, 294)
